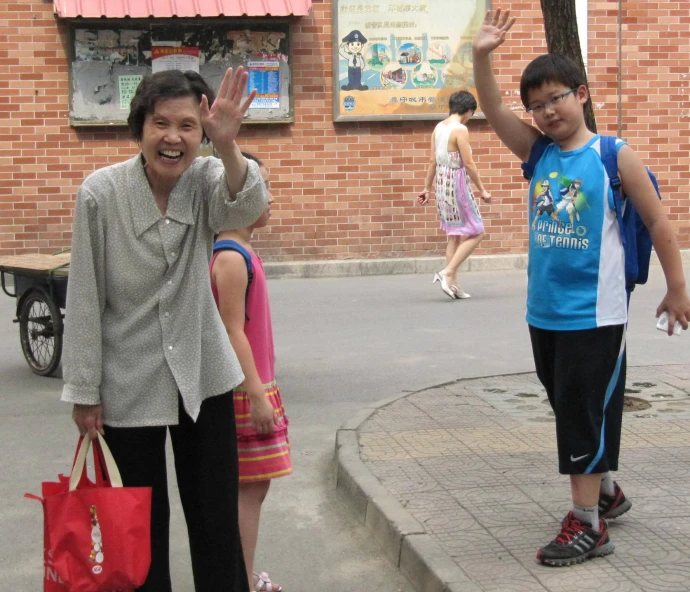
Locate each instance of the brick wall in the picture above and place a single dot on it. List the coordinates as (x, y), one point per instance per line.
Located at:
(344, 190)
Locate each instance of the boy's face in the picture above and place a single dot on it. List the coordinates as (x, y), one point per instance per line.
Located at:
(354, 47)
(556, 111)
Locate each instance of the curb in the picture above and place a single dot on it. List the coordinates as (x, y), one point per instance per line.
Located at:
(369, 267)
(406, 266)
(403, 539)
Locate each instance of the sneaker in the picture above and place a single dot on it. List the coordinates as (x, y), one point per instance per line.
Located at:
(612, 506)
(576, 543)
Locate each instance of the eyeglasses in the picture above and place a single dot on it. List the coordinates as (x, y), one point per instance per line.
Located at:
(538, 108)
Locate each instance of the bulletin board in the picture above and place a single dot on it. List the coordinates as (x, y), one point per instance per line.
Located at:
(402, 60)
(109, 59)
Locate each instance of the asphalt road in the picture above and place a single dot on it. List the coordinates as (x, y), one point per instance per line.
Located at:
(340, 345)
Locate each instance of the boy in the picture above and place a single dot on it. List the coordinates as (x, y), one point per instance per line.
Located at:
(576, 298)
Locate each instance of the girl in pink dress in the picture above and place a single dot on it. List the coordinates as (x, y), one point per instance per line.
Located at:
(450, 170)
(239, 287)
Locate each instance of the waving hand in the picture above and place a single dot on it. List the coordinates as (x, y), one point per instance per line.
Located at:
(493, 31)
(222, 121)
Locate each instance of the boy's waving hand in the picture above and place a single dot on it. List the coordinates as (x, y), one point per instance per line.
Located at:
(493, 31)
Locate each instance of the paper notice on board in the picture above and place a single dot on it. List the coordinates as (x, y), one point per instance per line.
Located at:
(128, 87)
(265, 78)
(174, 58)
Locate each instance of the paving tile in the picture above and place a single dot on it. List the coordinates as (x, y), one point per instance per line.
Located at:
(495, 572)
(489, 496)
(524, 584)
(424, 443)
(596, 574)
(380, 446)
(402, 477)
(471, 545)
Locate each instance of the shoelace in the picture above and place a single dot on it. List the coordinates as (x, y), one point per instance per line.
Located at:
(569, 531)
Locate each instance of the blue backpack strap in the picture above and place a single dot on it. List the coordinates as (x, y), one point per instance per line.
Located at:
(625, 214)
(231, 245)
(609, 158)
(538, 148)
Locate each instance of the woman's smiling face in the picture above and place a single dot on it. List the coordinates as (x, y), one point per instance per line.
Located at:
(171, 139)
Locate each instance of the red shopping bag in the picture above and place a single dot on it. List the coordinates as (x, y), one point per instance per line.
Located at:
(51, 580)
(98, 535)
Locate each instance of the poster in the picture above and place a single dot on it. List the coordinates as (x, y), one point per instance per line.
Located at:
(398, 60)
(106, 45)
(174, 58)
(265, 78)
(128, 86)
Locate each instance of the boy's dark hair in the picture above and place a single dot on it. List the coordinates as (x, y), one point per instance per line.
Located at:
(250, 156)
(552, 67)
(461, 102)
(169, 84)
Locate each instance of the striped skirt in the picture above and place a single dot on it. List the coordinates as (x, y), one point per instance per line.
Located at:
(262, 457)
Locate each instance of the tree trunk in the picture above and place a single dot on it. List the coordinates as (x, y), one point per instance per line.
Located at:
(560, 26)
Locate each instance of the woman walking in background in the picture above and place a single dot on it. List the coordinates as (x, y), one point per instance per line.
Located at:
(450, 166)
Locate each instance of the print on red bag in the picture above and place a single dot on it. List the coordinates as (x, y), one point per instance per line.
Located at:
(51, 572)
(96, 555)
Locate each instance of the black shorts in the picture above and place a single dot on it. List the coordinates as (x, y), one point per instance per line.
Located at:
(584, 376)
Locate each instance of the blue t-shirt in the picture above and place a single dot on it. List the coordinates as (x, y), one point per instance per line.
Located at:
(576, 270)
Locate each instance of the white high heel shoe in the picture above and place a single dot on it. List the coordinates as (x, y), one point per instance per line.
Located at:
(441, 277)
(460, 294)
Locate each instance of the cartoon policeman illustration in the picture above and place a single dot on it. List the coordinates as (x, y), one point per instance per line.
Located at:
(544, 204)
(568, 197)
(351, 50)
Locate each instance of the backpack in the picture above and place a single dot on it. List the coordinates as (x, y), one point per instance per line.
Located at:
(231, 245)
(637, 242)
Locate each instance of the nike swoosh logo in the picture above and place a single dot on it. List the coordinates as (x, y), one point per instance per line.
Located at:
(576, 458)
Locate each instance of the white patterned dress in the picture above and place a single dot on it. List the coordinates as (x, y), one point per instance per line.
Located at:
(455, 202)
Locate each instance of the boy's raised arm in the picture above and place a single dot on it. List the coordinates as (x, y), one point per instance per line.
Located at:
(517, 135)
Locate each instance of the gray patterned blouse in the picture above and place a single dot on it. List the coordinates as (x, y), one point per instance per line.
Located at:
(141, 322)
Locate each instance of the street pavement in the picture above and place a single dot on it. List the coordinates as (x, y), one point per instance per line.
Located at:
(341, 345)
(474, 463)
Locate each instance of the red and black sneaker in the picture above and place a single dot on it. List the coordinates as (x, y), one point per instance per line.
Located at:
(612, 506)
(576, 543)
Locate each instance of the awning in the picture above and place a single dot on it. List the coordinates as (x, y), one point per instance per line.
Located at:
(179, 8)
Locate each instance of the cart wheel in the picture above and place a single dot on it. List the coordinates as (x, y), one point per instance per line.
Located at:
(40, 331)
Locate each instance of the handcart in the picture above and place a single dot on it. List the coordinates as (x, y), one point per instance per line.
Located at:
(40, 287)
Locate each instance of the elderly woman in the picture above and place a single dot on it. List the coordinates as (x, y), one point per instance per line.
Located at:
(145, 349)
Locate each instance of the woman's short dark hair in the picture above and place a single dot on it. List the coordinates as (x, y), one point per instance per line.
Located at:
(169, 84)
(551, 67)
(250, 156)
(461, 102)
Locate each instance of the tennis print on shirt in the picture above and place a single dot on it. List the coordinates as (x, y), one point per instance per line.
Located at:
(559, 222)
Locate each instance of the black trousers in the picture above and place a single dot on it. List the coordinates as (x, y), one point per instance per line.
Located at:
(583, 373)
(207, 476)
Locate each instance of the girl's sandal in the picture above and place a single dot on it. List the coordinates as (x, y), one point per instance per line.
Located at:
(264, 584)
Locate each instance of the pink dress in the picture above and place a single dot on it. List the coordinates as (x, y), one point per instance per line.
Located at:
(455, 202)
(261, 457)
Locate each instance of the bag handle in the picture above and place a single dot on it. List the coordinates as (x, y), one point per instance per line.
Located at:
(79, 467)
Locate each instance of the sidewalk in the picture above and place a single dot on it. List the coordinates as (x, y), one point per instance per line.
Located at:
(459, 485)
